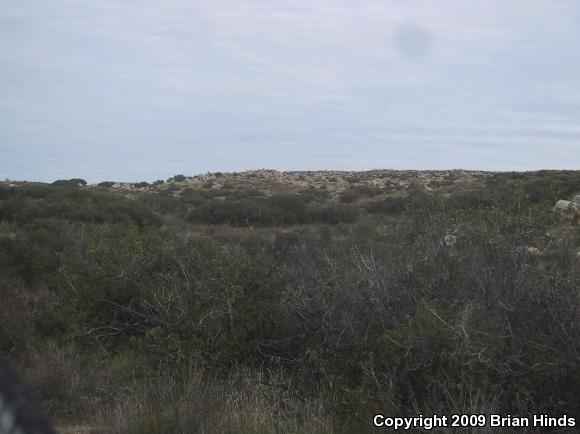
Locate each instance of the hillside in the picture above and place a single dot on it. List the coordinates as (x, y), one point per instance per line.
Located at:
(302, 302)
(334, 181)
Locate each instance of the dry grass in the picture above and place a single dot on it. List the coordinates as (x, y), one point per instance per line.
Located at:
(195, 402)
(54, 376)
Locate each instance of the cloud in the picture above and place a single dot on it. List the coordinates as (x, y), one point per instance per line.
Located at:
(130, 90)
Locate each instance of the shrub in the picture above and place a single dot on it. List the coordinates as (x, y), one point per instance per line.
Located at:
(313, 194)
(339, 213)
(349, 196)
(390, 205)
(178, 178)
(162, 203)
(468, 199)
(378, 315)
(276, 210)
(75, 182)
(27, 205)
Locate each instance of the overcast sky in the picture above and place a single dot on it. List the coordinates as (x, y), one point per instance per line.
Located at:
(141, 90)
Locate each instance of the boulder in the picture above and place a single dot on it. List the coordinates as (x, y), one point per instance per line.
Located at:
(562, 205)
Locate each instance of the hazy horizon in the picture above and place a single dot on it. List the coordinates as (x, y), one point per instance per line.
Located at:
(108, 90)
(189, 175)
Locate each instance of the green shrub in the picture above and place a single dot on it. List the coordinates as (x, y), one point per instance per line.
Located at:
(349, 196)
(25, 205)
(177, 178)
(390, 205)
(75, 182)
(276, 210)
(468, 199)
(375, 315)
(339, 213)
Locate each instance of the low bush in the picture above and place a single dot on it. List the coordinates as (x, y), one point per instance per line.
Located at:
(340, 320)
(390, 205)
(27, 205)
(177, 178)
(276, 210)
(106, 184)
(75, 182)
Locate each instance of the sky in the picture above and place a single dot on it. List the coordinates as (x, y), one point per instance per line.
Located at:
(133, 90)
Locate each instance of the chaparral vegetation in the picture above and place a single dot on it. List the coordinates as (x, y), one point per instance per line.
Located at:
(307, 302)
